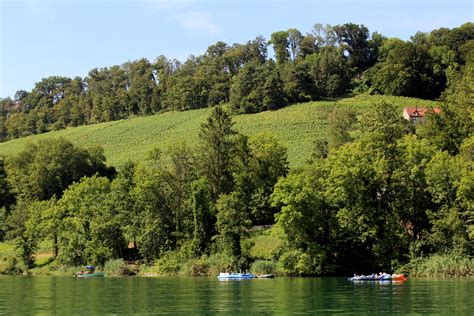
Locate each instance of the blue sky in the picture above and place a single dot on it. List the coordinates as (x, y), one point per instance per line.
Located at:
(68, 38)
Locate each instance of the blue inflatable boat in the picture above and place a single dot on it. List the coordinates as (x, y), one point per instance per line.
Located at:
(235, 276)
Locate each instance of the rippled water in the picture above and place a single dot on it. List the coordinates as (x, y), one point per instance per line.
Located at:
(67, 295)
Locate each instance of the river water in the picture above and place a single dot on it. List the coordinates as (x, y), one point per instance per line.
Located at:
(44, 295)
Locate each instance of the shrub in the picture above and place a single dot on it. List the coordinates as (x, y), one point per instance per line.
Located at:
(266, 247)
(295, 262)
(8, 266)
(119, 267)
(13, 265)
(196, 267)
(263, 267)
(221, 262)
(168, 264)
(265, 244)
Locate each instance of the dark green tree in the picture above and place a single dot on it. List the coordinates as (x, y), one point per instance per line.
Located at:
(273, 91)
(309, 224)
(90, 229)
(151, 196)
(216, 150)
(407, 71)
(299, 84)
(187, 88)
(266, 163)
(233, 223)
(141, 86)
(6, 197)
(413, 201)
(246, 95)
(50, 166)
(180, 174)
(450, 218)
(280, 43)
(307, 46)
(329, 71)
(354, 40)
(121, 196)
(204, 217)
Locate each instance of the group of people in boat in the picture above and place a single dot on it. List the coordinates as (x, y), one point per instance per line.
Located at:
(378, 277)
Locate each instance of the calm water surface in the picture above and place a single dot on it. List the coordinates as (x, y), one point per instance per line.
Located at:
(67, 295)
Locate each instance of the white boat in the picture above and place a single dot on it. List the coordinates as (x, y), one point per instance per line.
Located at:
(235, 276)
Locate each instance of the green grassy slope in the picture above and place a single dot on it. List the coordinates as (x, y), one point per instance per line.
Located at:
(296, 126)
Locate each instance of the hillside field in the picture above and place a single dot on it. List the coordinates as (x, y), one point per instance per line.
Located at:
(296, 126)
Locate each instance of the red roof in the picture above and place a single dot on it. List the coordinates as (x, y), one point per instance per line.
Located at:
(419, 112)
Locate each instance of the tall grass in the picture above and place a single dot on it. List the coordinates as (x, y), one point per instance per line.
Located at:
(174, 263)
(266, 245)
(119, 267)
(7, 250)
(296, 126)
(442, 265)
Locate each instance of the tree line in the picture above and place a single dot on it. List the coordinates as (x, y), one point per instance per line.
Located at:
(181, 197)
(329, 61)
(378, 193)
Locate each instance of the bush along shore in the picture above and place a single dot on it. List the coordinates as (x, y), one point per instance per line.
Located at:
(442, 265)
(435, 266)
(259, 254)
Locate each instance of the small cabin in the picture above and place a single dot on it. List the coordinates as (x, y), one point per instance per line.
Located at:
(416, 113)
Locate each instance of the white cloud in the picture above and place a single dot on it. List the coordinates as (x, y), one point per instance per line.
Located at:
(198, 21)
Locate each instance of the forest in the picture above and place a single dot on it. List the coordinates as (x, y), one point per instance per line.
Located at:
(381, 193)
(327, 62)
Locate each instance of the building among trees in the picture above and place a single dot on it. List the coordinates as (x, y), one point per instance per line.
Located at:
(416, 113)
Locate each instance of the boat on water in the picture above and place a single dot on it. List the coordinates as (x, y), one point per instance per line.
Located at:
(379, 277)
(89, 273)
(266, 276)
(235, 276)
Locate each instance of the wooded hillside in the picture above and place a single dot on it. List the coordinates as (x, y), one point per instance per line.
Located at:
(327, 61)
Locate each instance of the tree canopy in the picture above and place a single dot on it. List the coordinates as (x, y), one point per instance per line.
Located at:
(329, 61)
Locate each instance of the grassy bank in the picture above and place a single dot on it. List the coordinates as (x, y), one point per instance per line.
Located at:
(8, 264)
(261, 262)
(296, 126)
(446, 266)
(260, 250)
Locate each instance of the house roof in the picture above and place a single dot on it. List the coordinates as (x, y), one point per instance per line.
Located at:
(419, 111)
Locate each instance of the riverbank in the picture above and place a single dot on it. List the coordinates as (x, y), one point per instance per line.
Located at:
(175, 264)
(436, 266)
(445, 266)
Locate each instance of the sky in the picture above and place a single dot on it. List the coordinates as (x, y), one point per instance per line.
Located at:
(42, 38)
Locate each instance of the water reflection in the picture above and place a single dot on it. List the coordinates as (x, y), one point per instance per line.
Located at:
(61, 295)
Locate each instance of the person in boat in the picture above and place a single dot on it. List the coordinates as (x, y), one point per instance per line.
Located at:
(89, 270)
